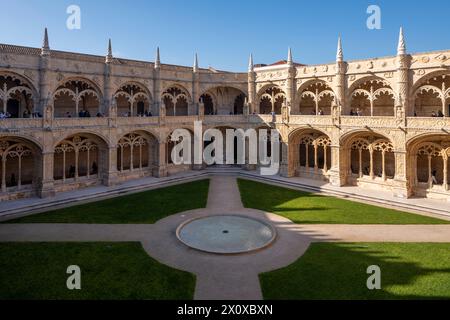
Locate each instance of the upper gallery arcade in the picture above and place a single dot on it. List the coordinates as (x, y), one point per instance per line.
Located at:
(73, 120)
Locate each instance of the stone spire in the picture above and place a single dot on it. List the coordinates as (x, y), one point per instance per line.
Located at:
(109, 56)
(195, 67)
(45, 51)
(339, 53)
(250, 63)
(401, 49)
(157, 59)
(289, 58)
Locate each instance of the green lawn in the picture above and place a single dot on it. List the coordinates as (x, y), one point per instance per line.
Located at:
(338, 271)
(108, 271)
(305, 207)
(142, 207)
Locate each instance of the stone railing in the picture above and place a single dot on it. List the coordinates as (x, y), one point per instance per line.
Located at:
(20, 123)
(79, 122)
(181, 119)
(311, 119)
(237, 118)
(429, 123)
(130, 121)
(263, 118)
(376, 122)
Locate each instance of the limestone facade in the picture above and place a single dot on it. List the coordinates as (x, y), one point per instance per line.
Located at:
(379, 123)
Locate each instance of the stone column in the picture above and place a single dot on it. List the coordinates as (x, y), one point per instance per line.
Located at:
(254, 105)
(340, 85)
(45, 185)
(403, 63)
(156, 90)
(290, 85)
(195, 91)
(161, 166)
(107, 89)
(44, 84)
(110, 173)
(401, 187)
(287, 166)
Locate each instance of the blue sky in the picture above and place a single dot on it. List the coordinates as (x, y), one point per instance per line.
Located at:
(224, 32)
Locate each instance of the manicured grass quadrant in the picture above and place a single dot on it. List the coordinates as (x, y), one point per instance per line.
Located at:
(338, 271)
(143, 207)
(108, 271)
(309, 208)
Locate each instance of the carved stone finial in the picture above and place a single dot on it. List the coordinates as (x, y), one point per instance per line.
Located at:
(157, 59)
(339, 53)
(45, 51)
(109, 56)
(195, 67)
(401, 49)
(250, 63)
(289, 59)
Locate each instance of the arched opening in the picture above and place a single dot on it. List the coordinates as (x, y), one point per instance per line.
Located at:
(225, 100)
(271, 100)
(176, 101)
(310, 153)
(76, 98)
(432, 98)
(208, 104)
(239, 104)
(373, 97)
(429, 158)
(174, 167)
(371, 159)
(16, 97)
(19, 165)
(80, 159)
(316, 99)
(136, 153)
(133, 100)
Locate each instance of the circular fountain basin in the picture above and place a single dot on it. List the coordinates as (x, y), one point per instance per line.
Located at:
(226, 234)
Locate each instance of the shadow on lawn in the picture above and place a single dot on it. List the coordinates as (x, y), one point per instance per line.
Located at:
(339, 271)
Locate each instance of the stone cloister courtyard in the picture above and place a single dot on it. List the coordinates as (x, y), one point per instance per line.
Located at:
(126, 243)
(90, 183)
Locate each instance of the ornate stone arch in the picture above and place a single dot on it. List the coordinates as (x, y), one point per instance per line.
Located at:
(76, 94)
(78, 156)
(271, 98)
(319, 92)
(136, 150)
(18, 96)
(133, 98)
(309, 153)
(176, 100)
(431, 95)
(19, 161)
(369, 154)
(372, 95)
(224, 98)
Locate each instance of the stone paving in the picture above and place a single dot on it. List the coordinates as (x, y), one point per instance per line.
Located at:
(225, 276)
